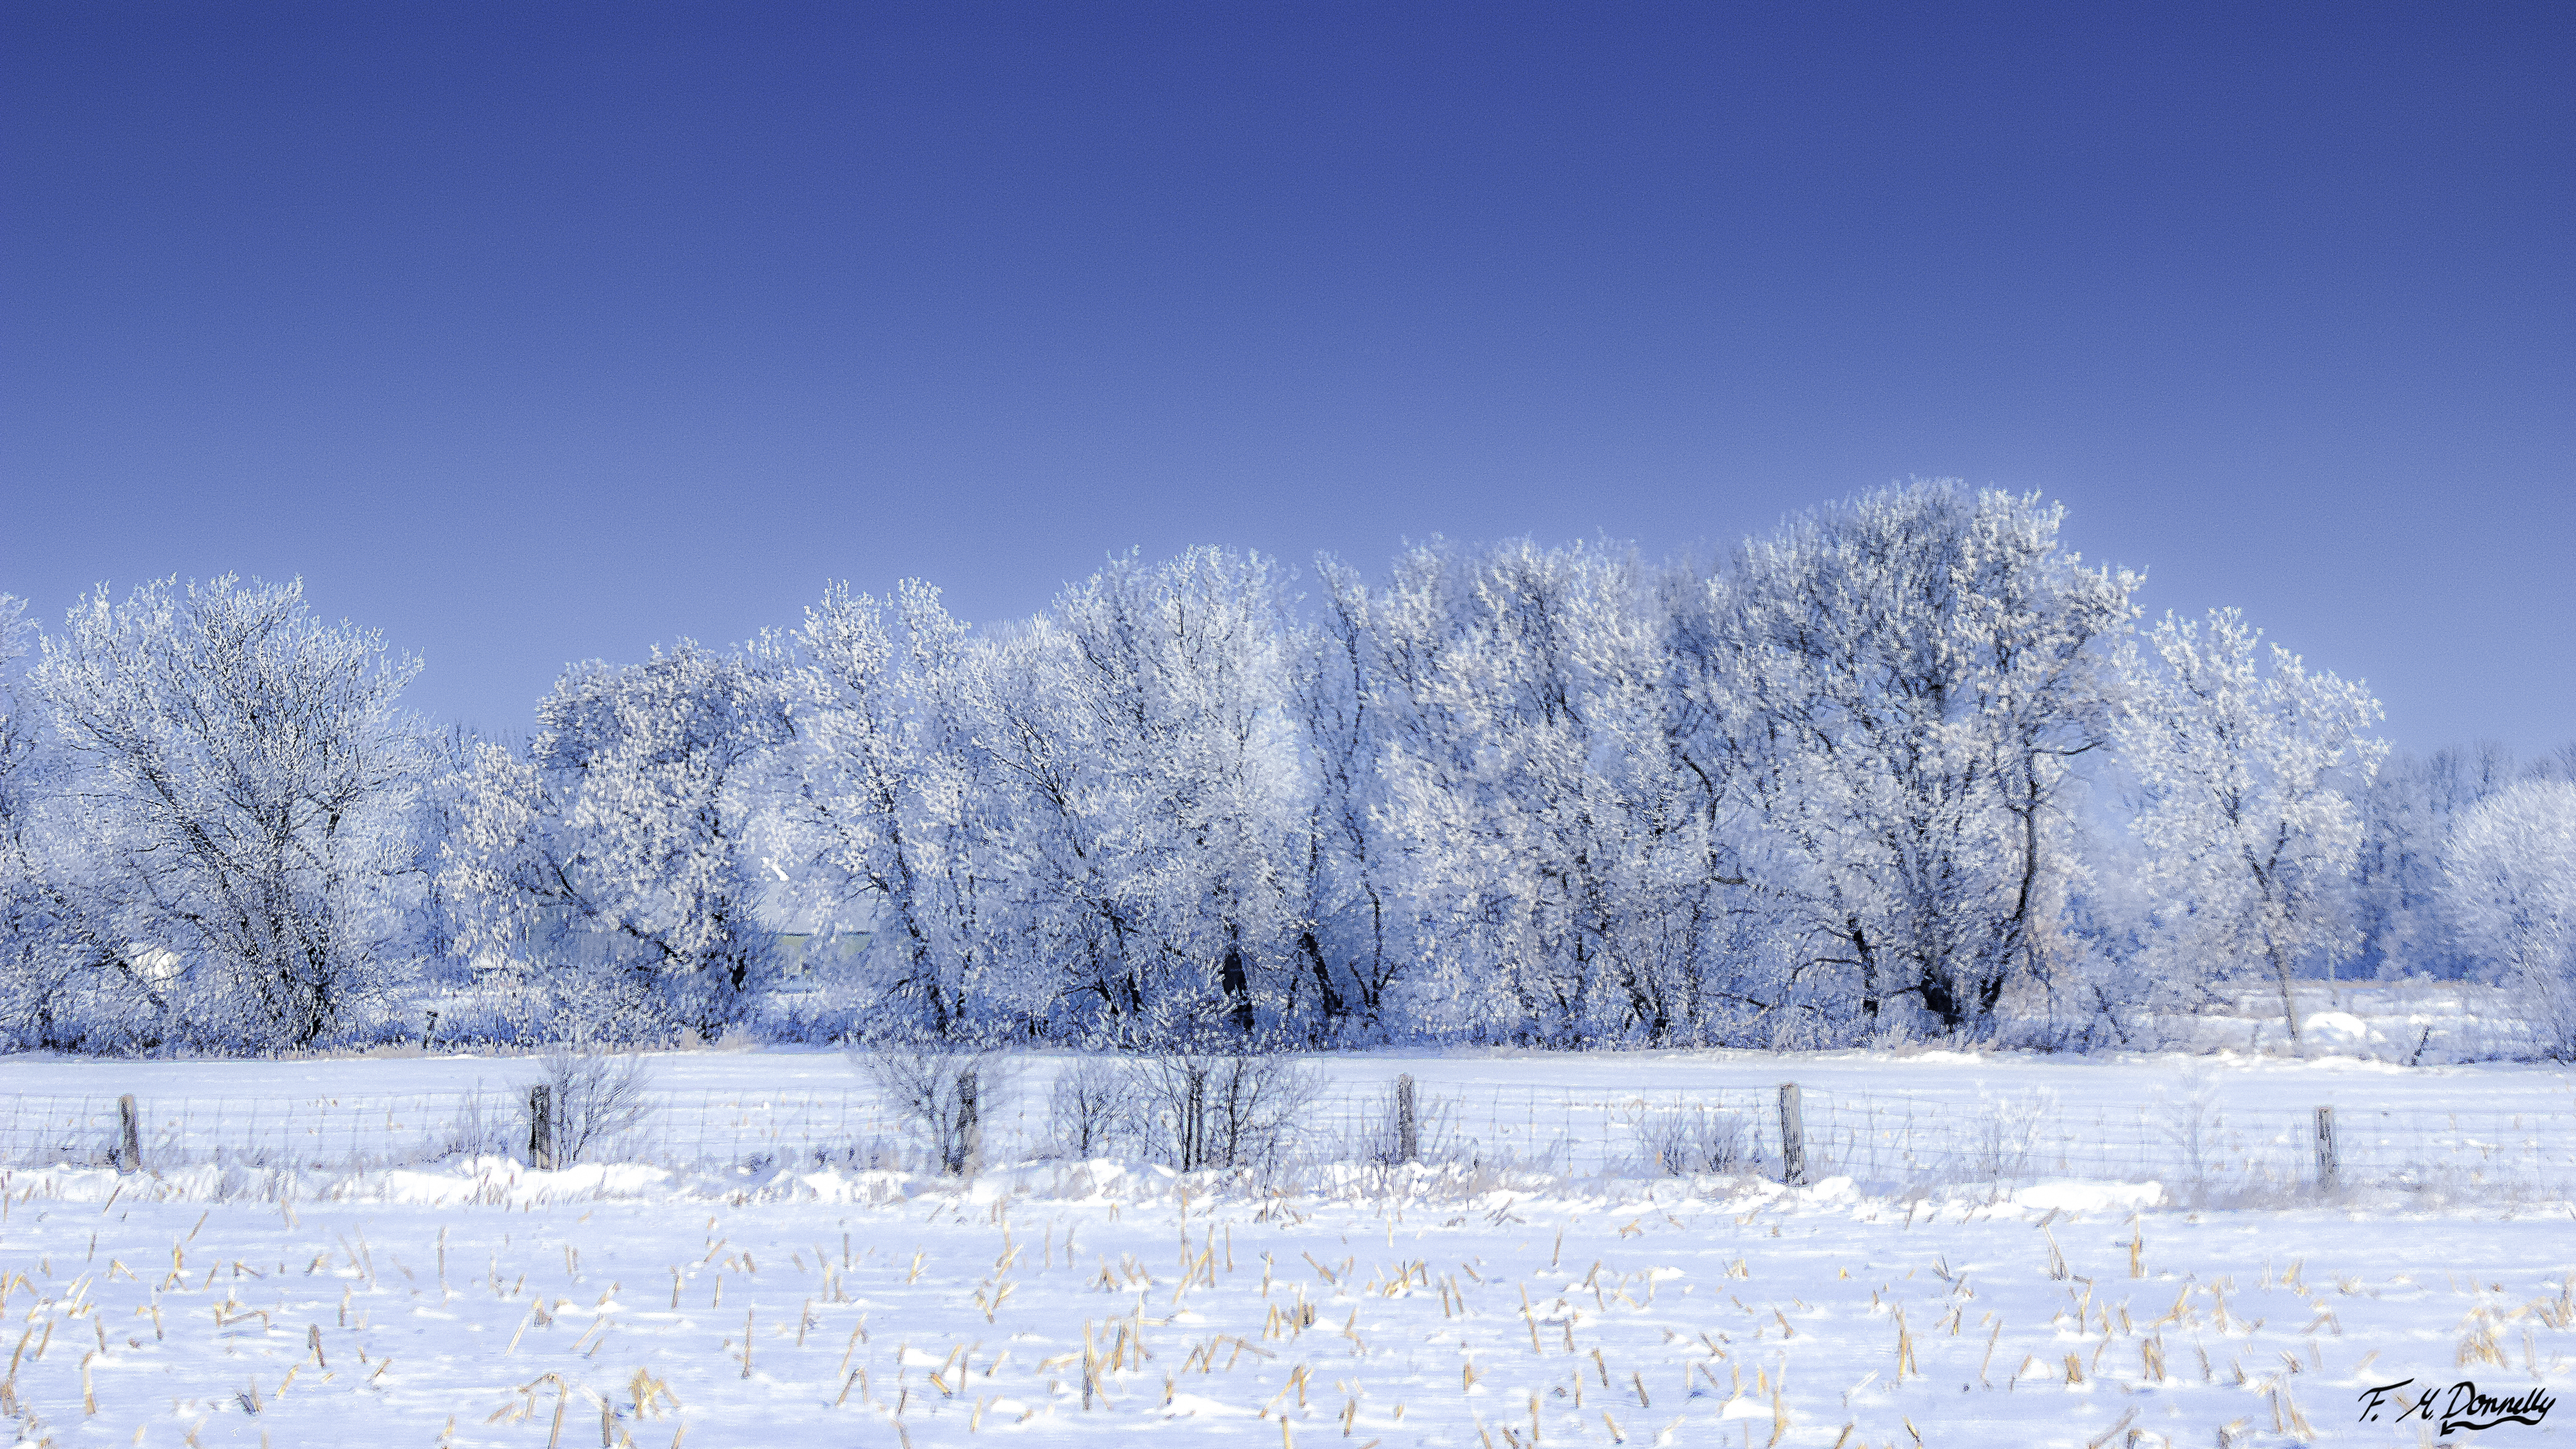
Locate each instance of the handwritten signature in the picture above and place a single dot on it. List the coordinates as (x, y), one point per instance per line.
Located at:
(2464, 1407)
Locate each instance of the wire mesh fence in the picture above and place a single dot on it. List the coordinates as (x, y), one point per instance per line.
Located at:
(362, 1132)
(2193, 1147)
(1882, 1141)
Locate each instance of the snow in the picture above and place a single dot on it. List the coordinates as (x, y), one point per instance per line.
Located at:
(475, 1301)
(2090, 1197)
(1684, 1317)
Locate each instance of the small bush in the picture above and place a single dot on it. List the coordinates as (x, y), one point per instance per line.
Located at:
(1092, 1108)
(488, 1127)
(2000, 1144)
(590, 1099)
(1232, 1110)
(1694, 1139)
(2195, 1129)
(942, 1096)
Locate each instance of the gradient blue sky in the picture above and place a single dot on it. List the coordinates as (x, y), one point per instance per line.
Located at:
(530, 333)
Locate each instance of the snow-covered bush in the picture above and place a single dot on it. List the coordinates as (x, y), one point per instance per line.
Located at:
(487, 1126)
(2001, 1138)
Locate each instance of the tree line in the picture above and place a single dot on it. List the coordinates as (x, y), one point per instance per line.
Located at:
(1904, 766)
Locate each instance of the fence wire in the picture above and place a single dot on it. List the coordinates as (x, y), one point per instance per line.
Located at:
(1881, 1141)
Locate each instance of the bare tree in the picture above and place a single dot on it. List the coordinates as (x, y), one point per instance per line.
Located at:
(942, 1095)
(1226, 1111)
(1091, 1107)
(592, 1099)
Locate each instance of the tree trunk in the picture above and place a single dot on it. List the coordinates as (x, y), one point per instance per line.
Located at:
(2289, 1005)
(1238, 988)
(1332, 1000)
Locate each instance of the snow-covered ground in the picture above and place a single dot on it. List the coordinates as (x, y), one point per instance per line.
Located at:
(1507, 1303)
(491, 1306)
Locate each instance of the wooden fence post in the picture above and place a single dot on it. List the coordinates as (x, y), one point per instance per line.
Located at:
(541, 1127)
(2328, 1165)
(1408, 1136)
(1793, 1137)
(130, 1123)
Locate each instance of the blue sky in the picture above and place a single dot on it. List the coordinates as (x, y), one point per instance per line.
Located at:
(535, 333)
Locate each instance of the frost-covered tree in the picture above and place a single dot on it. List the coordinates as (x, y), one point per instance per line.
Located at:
(2245, 775)
(2408, 813)
(1560, 843)
(614, 866)
(1358, 929)
(891, 802)
(1912, 674)
(1835, 785)
(2510, 890)
(41, 955)
(1155, 786)
(435, 917)
(228, 829)
(18, 715)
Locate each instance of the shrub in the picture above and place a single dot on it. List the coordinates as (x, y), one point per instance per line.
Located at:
(1694, 1139)
(1092, 1107)
(1231, 1110)
(589, 1100)
(941, 1096)
(2001, 1141)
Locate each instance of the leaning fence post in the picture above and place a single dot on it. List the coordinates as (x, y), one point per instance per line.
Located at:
(1793, 1137)
(2327, 1165)
(541, 1127)
(130, 1154)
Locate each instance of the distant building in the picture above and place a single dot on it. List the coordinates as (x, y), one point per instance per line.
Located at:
(807, 959)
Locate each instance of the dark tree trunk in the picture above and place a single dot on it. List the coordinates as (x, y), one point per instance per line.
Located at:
(1332, 1000)
(1238, 989)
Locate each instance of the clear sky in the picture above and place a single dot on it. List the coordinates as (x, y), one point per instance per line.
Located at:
(530, 333)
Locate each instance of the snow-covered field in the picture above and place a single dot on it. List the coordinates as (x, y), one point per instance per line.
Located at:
(1504, 1302)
